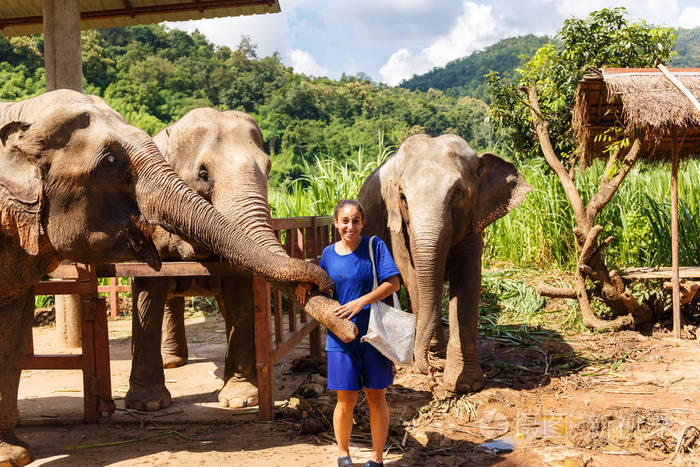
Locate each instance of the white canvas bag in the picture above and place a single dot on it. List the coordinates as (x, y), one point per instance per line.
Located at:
(391, 330)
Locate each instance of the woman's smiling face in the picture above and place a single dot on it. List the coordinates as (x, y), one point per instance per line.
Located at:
(349, 223)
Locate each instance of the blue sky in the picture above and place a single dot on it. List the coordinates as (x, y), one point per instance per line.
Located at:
(390, 40)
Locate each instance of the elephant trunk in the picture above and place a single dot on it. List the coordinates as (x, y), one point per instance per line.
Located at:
(430, 249)
(165, 200)
(248, 207)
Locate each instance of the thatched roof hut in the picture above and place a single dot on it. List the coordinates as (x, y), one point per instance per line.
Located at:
(641, 101)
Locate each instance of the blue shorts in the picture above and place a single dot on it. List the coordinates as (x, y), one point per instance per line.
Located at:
(355, 369)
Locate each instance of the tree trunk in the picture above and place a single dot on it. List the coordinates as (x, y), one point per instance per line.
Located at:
(608, 285)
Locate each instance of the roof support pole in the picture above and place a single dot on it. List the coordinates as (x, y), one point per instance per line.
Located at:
(64, 70)
(62, 59)
(675, 281)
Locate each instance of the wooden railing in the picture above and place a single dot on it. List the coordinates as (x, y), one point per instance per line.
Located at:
(302, 237)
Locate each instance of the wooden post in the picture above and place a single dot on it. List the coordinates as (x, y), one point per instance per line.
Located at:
(88, 314)
(62, 60)
(263, 349)
(676, 294)
(315, 335)
(113, 298)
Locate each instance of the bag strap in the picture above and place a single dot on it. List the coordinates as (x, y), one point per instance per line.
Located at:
(374, 273)
(374, 266)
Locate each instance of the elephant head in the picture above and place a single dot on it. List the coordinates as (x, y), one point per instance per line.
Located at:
(220, 155)
(430, 198)
(75, 176)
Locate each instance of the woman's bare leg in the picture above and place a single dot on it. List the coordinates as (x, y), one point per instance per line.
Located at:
(378, 421)
(342, 420)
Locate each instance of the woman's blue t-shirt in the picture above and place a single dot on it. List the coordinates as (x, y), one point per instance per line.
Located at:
(352, 274)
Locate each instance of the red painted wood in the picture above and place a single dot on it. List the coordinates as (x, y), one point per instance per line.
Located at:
(263, 348)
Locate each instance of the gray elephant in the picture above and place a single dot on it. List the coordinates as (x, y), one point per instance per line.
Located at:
(220, 155)
(432, 200)
(77, 182)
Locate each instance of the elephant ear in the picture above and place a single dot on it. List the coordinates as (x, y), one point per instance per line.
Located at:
(161, 139)
(21, 189)
(500, 189)
(390, 195)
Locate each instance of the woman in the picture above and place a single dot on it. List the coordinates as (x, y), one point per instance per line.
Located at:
(357, 365)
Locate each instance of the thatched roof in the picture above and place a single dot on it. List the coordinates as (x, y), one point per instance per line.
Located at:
(643, 102)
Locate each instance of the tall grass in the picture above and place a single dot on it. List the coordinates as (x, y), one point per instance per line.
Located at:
(324, 183)
(540, 231)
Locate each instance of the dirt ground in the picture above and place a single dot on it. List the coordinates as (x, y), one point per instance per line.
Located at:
(550, 399)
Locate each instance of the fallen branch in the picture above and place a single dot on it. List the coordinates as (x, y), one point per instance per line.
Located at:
(555, 292)
(127, 441)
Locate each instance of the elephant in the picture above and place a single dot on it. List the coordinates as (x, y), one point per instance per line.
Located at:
(220, 156)
(431, 200)
(79, 183)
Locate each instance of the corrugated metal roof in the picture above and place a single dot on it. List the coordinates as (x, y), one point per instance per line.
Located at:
(19, 18)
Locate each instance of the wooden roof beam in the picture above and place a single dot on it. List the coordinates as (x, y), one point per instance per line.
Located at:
(144, 10)
(128, 6)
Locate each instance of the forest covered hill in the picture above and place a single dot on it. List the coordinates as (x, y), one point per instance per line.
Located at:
(465, 76)
(153, 75)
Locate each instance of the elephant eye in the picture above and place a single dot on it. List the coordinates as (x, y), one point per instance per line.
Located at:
(458, 194)
(110, 160)
(203, 174)
(402, 197)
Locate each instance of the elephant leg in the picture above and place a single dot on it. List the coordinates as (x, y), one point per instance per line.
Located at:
(438, 345)
(462, 370)
(240, 379)
(17, 321)
(173, 349)
(147, 389)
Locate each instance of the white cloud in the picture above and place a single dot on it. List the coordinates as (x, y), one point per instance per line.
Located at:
(474, 29)
(689, 17)
(267, 31)
(402, 64)
(303, 62)
(659, 12)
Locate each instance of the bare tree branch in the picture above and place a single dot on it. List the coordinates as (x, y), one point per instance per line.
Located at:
(542, 131)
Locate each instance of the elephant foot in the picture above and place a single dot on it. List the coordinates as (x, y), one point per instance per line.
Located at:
(13, 452)
(466, 378)
(238, 393)
(172, 360)
(147, 398)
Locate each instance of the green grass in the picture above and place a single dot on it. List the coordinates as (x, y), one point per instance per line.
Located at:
(326, 182)
(539, 231)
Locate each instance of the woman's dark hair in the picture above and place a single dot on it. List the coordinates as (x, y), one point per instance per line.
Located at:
(348, 202)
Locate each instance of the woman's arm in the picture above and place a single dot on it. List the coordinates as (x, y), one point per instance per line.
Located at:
(386, 288)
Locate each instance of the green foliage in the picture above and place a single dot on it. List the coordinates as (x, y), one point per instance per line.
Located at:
(539, 231)
(604, 38)
(465, 76)
(687, 48)
(43, 301)
(325, 182)
(153, 76)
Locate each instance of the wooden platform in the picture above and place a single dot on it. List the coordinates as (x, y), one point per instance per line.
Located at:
(685, 272)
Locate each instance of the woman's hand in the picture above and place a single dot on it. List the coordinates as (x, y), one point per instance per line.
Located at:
(302, 291)
(350, 309)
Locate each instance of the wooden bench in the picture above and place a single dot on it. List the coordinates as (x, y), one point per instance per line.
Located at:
(688, 287)
(81, 279)
(303, 237)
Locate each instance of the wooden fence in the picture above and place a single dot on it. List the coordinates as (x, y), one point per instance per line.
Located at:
(302, 237)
